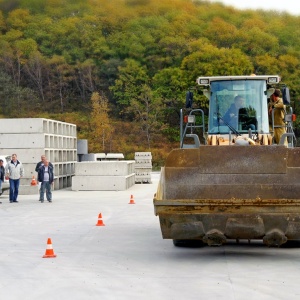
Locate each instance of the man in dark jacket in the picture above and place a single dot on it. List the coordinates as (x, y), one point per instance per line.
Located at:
(45, 177)
(41, 163)
(238, 113)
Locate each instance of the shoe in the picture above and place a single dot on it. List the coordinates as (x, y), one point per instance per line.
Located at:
(11, 201)
(49, 200)
(42, 201)
(16, 201)
(0, 202)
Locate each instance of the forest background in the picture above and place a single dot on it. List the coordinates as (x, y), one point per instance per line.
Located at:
(120, 69)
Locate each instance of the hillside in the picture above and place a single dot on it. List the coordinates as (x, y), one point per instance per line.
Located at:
(139, 56)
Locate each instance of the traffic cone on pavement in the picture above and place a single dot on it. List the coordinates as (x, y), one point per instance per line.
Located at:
(131, 200)
(100, 221)
(33, 181)
(49, 251)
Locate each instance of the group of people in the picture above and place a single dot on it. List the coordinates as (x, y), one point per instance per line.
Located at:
(237, 111)
(14, 171)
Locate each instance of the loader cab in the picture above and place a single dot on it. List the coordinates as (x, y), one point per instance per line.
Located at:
(238, 103)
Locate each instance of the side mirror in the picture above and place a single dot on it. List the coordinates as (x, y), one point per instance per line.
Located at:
(286, 96)
(189, 99)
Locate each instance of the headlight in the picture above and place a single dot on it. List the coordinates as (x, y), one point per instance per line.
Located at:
(273, 80)
(203, 81)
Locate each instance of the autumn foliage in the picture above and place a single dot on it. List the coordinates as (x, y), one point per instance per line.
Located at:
(119, 69)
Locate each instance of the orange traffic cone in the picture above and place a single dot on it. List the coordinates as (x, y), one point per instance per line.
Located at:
(49, 251)
(131, 200)
(33, 181)
(100, 221)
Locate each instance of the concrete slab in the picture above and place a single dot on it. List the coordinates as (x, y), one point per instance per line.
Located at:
(127, 259)
(37, 125)
(105, 168)
(102, 183)
(25, 190)
(33, 156)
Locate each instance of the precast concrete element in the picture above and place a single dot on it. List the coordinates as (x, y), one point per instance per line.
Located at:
(29, 138)
(37, 140)
(114, 156)
(102, 183)
(103, 175)
(93, 157)
(105, 168)
(101, 156)
(143, 167)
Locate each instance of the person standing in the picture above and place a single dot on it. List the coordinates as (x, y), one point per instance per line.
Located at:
(41, 163)
(14, 171)
(45, 177)
(276, 103)
(2, 172)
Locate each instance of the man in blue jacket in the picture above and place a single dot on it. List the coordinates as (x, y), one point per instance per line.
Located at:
(45, 177)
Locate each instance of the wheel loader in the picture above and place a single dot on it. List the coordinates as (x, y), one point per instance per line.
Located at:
(230, 181)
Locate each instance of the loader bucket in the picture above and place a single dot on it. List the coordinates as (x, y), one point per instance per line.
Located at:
(230, 192)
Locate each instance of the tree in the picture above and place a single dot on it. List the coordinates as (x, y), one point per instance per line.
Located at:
(170, 87)
(35, 69)
(221, 33)
(15, 101)
(101, 129)
(212, 61)
(60, 75)
(147, 111)
(130, 80)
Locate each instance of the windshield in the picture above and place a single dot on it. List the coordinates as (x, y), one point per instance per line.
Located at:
(238, 105)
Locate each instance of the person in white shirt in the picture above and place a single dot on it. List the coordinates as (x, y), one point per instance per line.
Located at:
(14, 171)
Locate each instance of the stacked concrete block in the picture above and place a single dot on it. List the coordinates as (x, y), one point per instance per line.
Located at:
(30, 138)
(143, 167)
(103, 175)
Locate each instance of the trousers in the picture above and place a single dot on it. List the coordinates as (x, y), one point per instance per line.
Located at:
(45, 186)
(13, 189)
